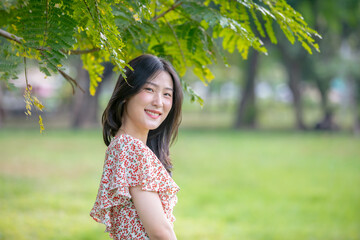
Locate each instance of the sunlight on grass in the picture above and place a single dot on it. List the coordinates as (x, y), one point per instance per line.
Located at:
(234, 185)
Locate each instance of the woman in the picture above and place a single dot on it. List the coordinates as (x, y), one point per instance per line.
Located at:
(137, 194)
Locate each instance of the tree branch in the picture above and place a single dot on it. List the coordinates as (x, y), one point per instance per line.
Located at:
(26, 79)
(70, 80)
(17, 39)
(175, 5)
(10, 36)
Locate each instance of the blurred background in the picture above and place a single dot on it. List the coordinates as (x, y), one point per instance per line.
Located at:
(273, 154)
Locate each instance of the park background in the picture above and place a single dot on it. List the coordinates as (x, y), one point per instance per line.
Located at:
(273, 153)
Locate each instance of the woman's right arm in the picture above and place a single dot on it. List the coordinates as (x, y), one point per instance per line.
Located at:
(149, 208)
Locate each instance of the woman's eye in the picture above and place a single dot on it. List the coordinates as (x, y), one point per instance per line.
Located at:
(167, 94)
(149, 89)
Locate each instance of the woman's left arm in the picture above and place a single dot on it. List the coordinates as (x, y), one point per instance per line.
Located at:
(149, 208)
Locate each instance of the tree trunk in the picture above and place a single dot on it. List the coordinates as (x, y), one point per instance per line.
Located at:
(294, 74)
(2, 111)
(293, 64)
(246, 111)
(356, 94)
(323, 91)
(85, 106)
(357, 123)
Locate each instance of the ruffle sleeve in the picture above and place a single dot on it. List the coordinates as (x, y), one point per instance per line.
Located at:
(128, 163)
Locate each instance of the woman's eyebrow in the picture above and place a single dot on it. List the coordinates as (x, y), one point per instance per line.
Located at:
(156, 85)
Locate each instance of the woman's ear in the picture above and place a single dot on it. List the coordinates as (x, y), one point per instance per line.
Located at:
(120, 109)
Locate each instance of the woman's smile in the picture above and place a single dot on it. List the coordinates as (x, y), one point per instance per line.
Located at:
(153, 114)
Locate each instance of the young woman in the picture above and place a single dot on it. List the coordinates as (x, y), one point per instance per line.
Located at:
(137, 195)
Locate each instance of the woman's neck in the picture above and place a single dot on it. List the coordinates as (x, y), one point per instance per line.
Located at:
(142, 136)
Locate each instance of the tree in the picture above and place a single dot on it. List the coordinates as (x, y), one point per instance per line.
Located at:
(246, 110)
(338, 22)
(84, 107)
(315, 68)
(184, 32)
(294, 64)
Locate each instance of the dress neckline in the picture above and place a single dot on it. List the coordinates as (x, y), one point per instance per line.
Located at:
(126, 135)
(123, 135)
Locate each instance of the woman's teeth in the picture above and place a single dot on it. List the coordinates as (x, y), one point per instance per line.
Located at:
(152, 113)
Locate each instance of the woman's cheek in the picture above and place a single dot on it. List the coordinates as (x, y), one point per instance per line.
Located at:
(145, 96)
(168, 103)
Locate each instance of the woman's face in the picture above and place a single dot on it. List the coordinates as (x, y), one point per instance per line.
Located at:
(150, 106)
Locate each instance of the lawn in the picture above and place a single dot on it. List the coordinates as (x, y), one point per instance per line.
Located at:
(234, 185)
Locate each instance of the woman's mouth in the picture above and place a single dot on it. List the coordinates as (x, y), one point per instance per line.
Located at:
(153, 114)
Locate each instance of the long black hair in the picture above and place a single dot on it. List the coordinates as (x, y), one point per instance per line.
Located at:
(145, 67)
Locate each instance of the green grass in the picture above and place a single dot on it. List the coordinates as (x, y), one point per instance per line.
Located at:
(234, 185)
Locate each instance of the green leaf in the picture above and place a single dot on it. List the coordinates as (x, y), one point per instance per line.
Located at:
(269, 29)
(257, 22)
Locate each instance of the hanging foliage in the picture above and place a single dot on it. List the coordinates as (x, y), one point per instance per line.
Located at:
(185, 32)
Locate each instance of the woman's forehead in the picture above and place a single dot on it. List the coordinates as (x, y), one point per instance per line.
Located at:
(161, 79)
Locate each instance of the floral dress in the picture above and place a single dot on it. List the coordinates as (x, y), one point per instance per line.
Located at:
(129, 162)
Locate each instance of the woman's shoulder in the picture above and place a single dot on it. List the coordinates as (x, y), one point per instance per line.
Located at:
(126, 152)
(126, 148)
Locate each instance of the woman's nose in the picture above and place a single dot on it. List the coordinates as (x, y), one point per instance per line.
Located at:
(157, 100)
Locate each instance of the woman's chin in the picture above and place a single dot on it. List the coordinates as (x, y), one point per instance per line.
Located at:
(153, 128)
(153, 124)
